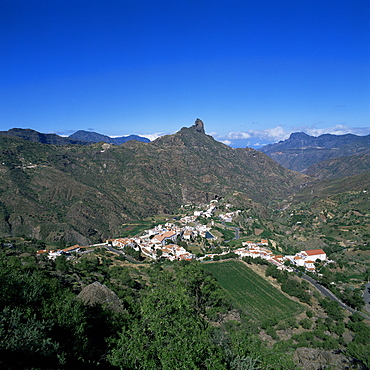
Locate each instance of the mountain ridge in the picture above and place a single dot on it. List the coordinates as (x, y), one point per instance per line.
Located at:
(80, 194)
(301, 151)
(80, 137)
(95, 137)
(38, 137)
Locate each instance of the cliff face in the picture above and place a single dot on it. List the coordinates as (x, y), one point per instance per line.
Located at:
(85, 193)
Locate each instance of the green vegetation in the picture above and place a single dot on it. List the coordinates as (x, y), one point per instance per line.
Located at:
(174, 314)
(168, 318)
(290, 285)
(251, 293)
(84, 193)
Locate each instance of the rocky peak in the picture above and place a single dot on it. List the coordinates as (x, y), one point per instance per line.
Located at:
(199, 126)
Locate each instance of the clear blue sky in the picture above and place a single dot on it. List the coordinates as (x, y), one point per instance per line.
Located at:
(254, 70)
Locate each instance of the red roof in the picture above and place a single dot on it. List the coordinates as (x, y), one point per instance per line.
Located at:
(71, 248)
(314, 252)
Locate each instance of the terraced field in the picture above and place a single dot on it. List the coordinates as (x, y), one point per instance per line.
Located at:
(255, 296)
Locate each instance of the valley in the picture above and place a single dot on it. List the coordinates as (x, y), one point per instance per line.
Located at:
(131, 250)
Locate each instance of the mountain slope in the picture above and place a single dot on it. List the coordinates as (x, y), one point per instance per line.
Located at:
(341, 167)
(319, 190)
(301, 151)
(96, 138)
(85, 193)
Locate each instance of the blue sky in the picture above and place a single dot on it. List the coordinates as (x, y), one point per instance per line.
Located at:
(253, 71)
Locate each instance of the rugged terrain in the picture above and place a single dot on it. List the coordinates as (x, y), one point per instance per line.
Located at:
(301, 151)
(135, 310)
(84, 193)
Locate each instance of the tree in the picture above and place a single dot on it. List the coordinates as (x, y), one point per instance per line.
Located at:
(62, 264)
(133, 253)
(169, 333)
(306, 323)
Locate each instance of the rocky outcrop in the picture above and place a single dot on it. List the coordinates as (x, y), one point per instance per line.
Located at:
(97, 293)
(315, 359)
(199, 126)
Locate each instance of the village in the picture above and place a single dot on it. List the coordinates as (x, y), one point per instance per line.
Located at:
(161, 243)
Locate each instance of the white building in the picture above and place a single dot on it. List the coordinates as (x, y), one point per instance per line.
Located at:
(313, 255)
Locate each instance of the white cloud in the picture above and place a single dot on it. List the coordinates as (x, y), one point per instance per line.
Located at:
(271, 134)
(226, 142)
(275, 133)
(153, 136)
(236, 135)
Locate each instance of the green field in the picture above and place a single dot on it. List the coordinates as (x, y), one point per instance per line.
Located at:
(251, 293)
(135, 228)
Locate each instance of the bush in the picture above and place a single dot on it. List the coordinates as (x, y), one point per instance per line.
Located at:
(306, 324)
(272, 333)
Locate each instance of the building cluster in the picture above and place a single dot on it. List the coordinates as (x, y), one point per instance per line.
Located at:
(228, 217)
(304, 259)
(53, 254)
(161, 241)
(207, 213)
(307, 259)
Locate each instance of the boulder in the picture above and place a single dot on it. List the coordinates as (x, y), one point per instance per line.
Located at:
(97, 293)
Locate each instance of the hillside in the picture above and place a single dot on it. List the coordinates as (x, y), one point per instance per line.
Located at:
(341, 167)
(301, 151)
(94, 137)
(320, 190)
(80, 194)
(329, 214)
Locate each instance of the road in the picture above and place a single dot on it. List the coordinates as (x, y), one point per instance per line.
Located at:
(236, 229)
(366, 297)
(327, 293)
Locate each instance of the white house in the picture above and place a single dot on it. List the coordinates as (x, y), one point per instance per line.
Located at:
(310, 265)
(313, 255)
(187, 235)
(168, 235)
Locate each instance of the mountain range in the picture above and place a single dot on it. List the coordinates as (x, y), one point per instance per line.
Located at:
(84, 193)
(78, 191)
(38, 137)
(79, 137)
(94, 137)
(301, 151)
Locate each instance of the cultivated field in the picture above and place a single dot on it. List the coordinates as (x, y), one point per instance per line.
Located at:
(251, 293)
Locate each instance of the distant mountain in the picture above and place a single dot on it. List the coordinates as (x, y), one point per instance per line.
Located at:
(79, 194)
(301, 151)
(79, 138)
(37, 137)
(94, 137)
